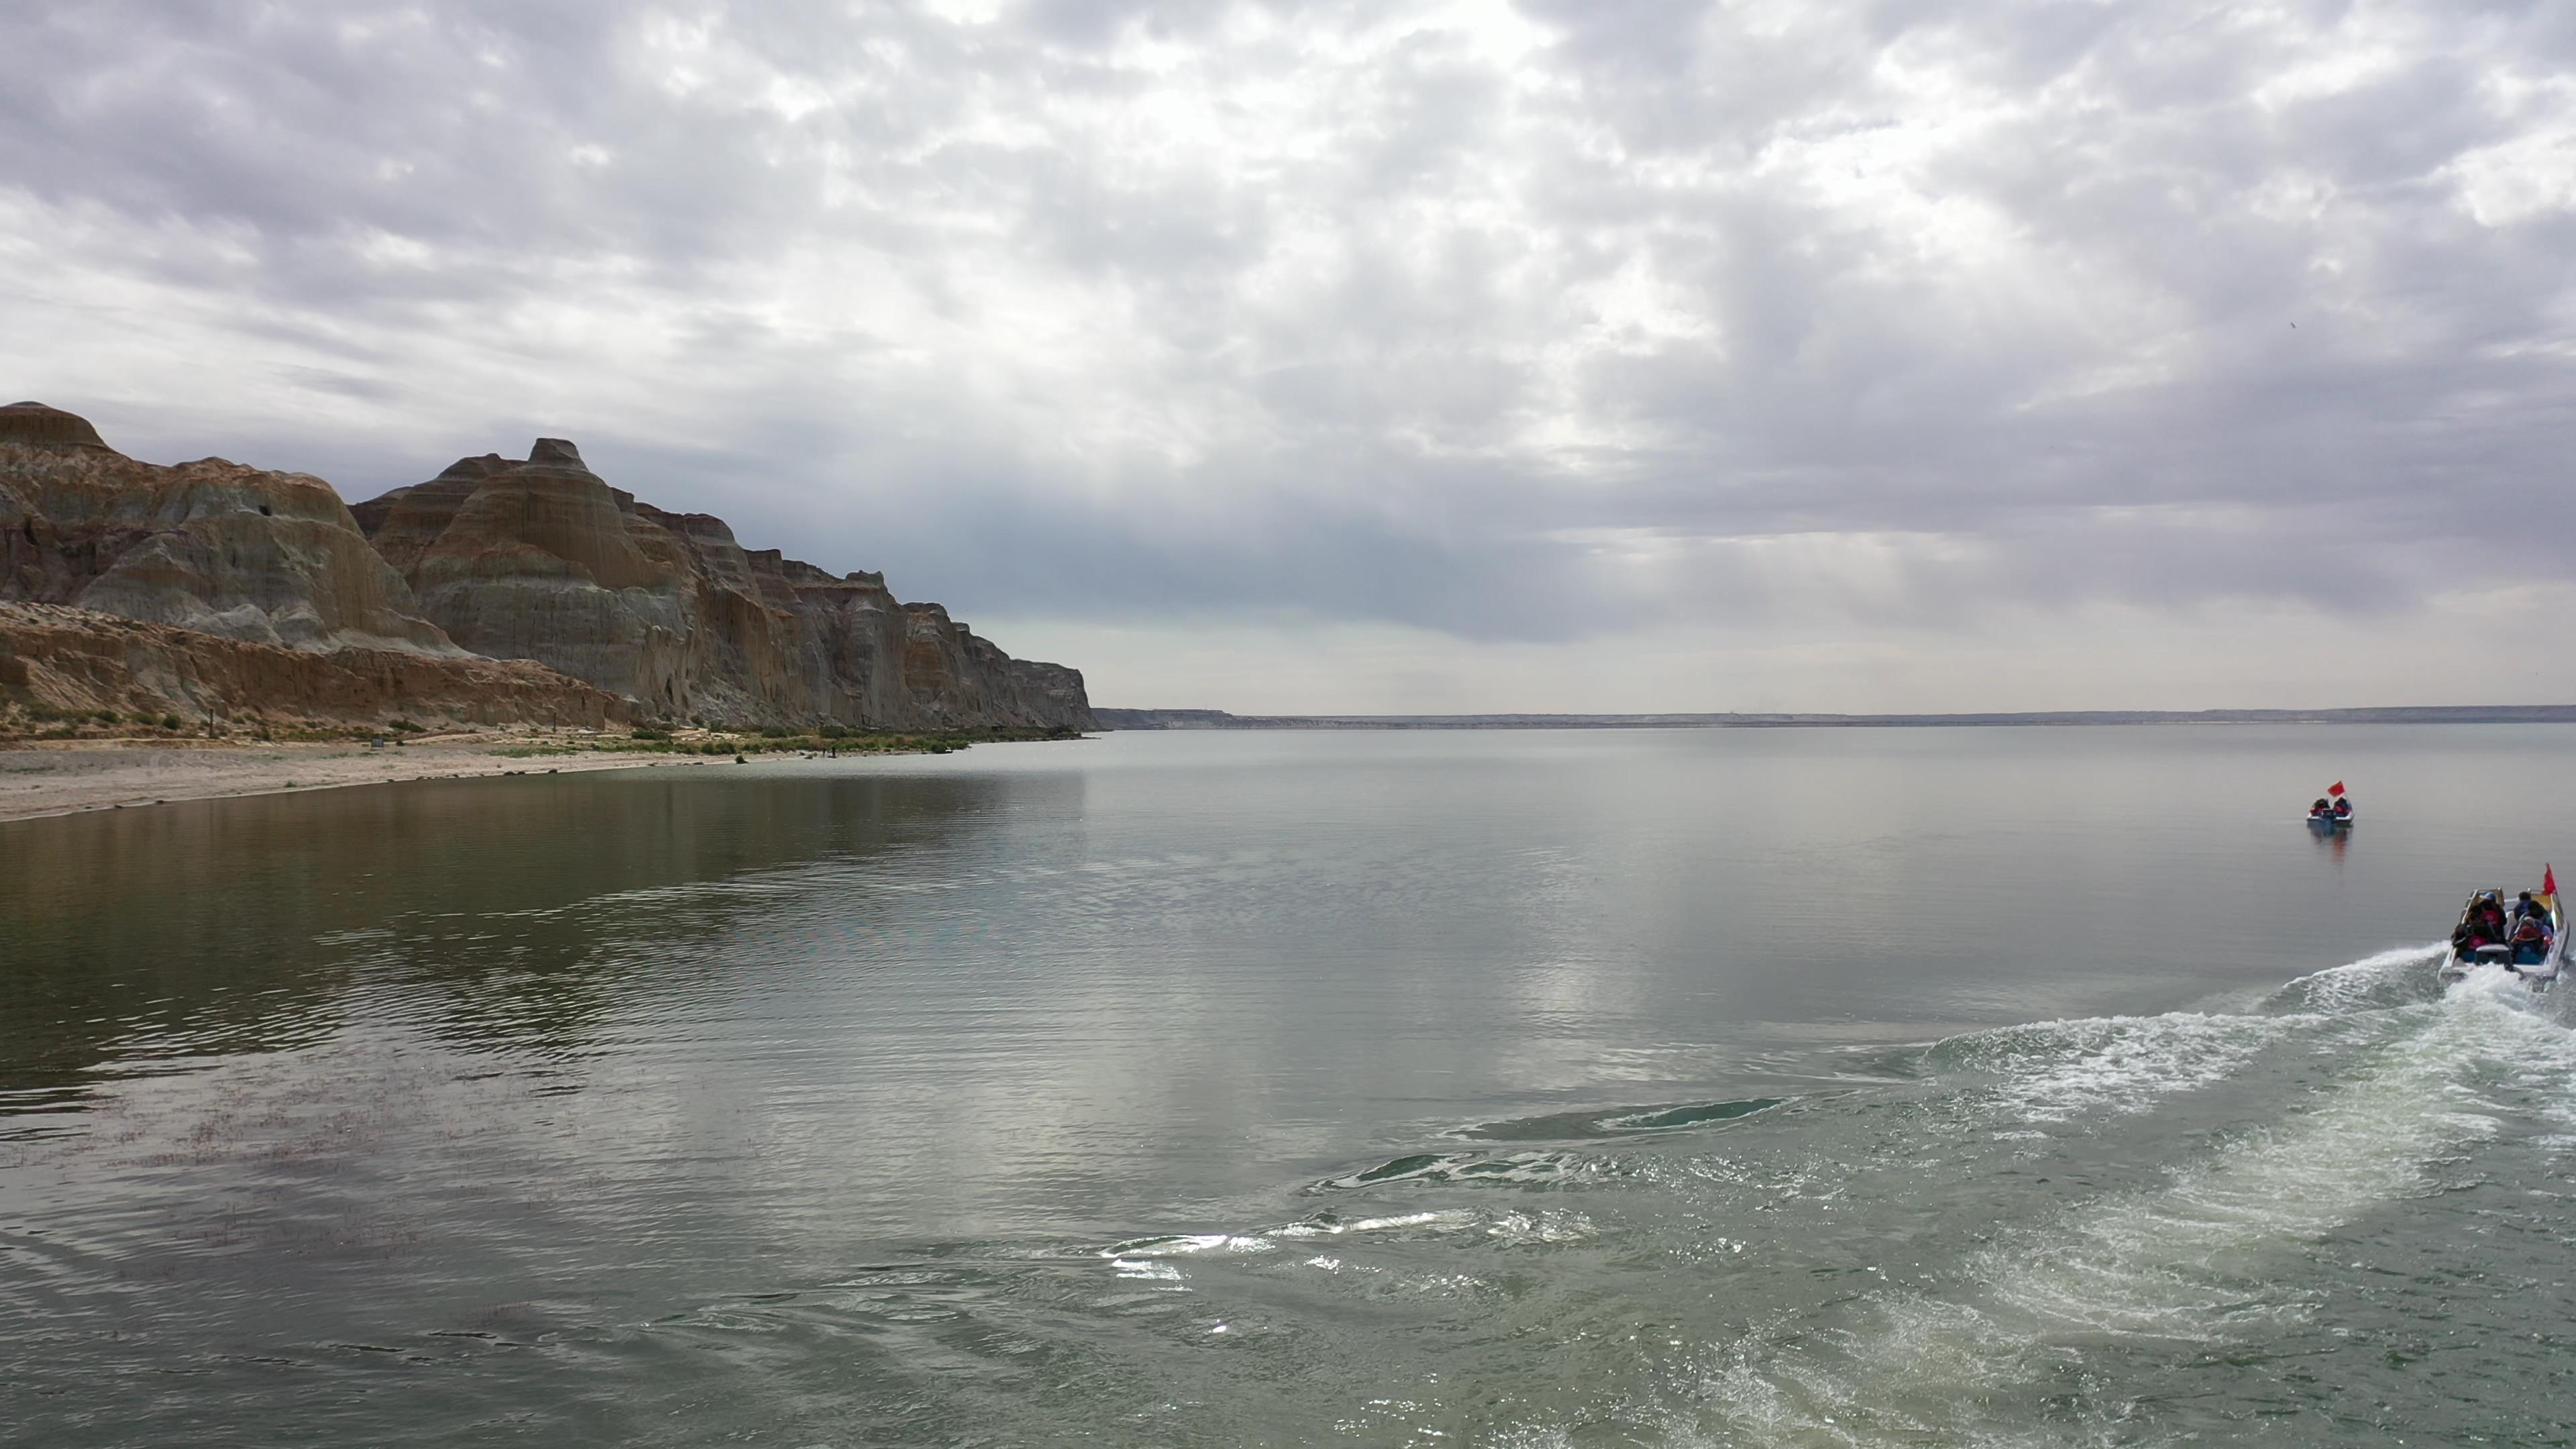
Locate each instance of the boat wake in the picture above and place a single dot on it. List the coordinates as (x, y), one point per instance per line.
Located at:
(2055, 1072)
(2039, 1234)
(2387, 978)
(2191, 1266)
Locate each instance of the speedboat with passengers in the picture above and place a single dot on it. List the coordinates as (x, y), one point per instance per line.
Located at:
(2526, 936)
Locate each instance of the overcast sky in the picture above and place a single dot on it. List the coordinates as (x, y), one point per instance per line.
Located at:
(1559, 355)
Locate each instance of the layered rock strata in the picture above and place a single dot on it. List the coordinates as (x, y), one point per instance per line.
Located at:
(80, 660)
(543, 560)
(269, 558)
(535, 560)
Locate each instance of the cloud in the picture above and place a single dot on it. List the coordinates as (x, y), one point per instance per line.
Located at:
(1541, 326)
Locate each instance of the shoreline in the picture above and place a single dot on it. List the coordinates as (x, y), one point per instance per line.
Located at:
(46, 779)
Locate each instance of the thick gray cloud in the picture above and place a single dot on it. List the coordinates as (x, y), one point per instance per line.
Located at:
(1515, 326)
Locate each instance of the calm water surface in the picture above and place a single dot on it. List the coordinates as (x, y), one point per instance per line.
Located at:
(1584, 1088)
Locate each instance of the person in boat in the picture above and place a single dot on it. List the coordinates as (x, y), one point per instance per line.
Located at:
(2530, 941)
(2343, 807)
(2464, 939)
(2489, 918)
(2320, 810)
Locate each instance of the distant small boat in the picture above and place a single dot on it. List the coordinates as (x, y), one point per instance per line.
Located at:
(2492, 933)
(2333, 809)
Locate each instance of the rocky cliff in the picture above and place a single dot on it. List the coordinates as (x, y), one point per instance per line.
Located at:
(80, 660)
(537, 560)
(271, 558)
(543, 560)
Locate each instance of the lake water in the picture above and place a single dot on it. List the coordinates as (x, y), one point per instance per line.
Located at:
(1835, 1087)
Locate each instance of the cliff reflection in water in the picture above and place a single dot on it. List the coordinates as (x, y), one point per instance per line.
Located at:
(498, 915)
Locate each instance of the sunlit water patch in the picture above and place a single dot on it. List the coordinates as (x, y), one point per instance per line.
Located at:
(1655, 1089)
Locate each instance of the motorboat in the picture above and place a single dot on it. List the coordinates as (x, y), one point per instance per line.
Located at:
(2332, 811)
(2492, 932)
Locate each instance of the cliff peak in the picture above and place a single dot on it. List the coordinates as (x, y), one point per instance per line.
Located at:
(482, 467)
(544, 560)
(39, 426)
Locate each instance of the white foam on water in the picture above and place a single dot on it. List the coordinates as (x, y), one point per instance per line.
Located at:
(1511, 1168)
(1160, 1258)
(2341, 988)
(2059, 1071)
(1150, 1258)
(1317, 1227)
(2168, 1264)
(2192, 1262)
(1519, 1229)
(1182, 1245)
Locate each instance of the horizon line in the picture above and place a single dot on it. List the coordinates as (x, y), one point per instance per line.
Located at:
(1202, 718)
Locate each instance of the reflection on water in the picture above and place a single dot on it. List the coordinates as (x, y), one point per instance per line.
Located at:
(1778, 1087)
(508, 912)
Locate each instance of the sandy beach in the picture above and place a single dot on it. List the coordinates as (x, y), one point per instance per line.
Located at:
(66, 777)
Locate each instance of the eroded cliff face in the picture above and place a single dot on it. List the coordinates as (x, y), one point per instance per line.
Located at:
(535, 561)
(543, 560)
(665, 615)
(80, 659)
(270, 558)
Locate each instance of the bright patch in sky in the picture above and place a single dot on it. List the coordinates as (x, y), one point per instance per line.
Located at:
(1422, 356)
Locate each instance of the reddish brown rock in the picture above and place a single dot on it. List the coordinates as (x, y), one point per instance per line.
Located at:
(79, 659)
(543, 560)
(36, 425)
(273, 558)
(536, 560)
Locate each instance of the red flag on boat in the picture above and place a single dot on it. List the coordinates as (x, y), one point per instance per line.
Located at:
(2548, 881)
(2335, 789)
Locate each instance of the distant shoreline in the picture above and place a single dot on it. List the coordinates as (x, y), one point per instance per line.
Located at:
(40, 779)
(1217, 719)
